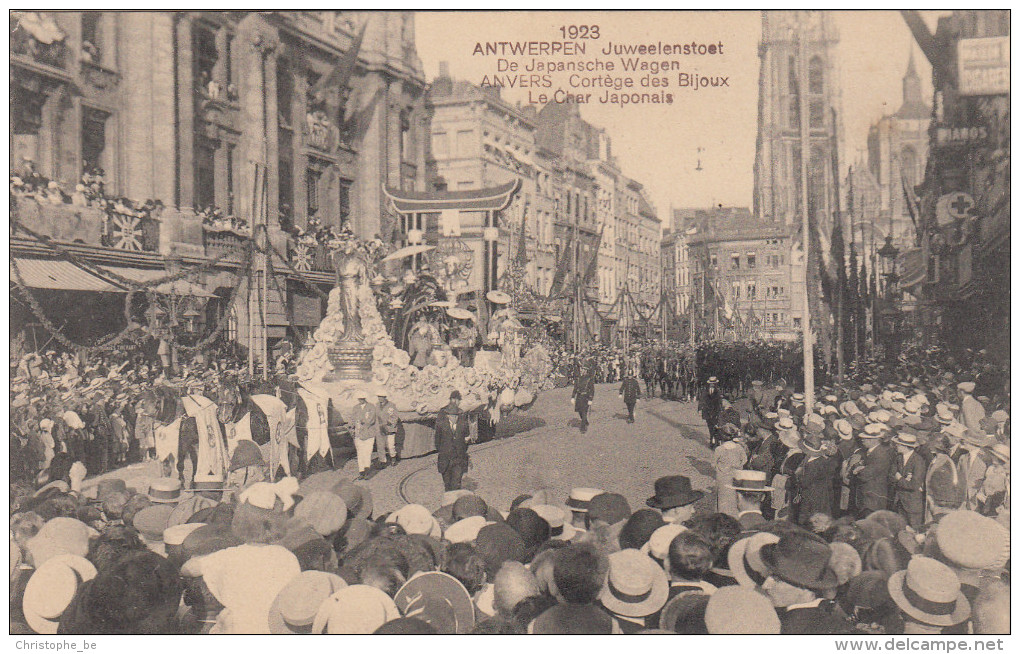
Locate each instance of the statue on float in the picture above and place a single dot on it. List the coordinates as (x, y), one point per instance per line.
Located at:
(353, 351)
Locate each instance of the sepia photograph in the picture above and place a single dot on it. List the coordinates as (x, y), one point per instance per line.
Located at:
(437, 322)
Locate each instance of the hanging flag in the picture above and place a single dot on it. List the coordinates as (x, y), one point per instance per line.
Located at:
(329, 88)
(562, 266)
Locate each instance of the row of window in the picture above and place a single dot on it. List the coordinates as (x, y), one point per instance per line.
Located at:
(751, 290)
(748, 261)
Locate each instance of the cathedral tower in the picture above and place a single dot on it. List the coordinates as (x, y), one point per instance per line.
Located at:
(787, 36)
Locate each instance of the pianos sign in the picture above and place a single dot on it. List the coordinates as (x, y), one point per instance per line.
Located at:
(983, 65)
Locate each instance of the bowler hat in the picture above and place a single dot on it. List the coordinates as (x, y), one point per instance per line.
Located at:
(497, 543)
(673, 491)
(685, 613)
(800, 559)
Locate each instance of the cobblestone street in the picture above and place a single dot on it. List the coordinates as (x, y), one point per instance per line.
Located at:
(547, 450)
(666, 438)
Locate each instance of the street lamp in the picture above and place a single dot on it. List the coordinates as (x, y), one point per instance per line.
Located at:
(888, 252)
(890, 312)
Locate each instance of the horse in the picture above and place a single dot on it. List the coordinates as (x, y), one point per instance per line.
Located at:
(176, 433)
(259, 418)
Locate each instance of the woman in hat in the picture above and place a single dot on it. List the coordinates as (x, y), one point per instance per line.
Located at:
(728, 458)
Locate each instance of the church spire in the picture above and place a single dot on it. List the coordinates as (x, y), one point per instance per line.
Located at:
(913, 104)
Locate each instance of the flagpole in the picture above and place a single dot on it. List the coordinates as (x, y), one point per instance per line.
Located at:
(841, 264)
(805, 153)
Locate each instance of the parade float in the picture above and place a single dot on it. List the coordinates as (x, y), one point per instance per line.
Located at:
(354, 347)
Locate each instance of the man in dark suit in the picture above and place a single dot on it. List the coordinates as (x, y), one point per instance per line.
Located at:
(908, 480)
(629, 392)
(814, 478)
(451, 443)
(873, 473)
(798, 580)
(584, 393)
(710, 405)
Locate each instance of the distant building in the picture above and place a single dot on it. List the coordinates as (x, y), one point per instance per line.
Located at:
(897, 152)
(742, 277)
(481, 141)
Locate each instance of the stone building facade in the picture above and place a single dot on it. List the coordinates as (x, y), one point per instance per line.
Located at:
(178, 108)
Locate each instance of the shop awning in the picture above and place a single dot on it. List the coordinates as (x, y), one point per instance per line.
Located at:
(180, 287)
(61, 276)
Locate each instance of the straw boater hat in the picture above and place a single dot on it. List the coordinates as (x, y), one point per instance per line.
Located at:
(745, 561)
(750, 481)
(440, 600)
(580, 498)
(498, 297)
(929, 591)
(738, 610)
(636, 585)
(51, 588)
(165, 490)
(844, 429)
(905, 439)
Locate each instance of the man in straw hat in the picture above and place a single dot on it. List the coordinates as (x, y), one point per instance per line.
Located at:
(873, 472)
(929, 596)
(908, 479)
(751, 490)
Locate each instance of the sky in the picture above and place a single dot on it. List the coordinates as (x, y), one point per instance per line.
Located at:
(658, 144)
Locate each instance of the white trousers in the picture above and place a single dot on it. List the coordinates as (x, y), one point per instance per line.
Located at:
(364, 449)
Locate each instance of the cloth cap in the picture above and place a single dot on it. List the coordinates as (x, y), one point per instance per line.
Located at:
(609, 507)
(466, 530)
(740, 610)
(970, 540)
(58, 536)
(325, 512)
(357, 609)
(660, 540)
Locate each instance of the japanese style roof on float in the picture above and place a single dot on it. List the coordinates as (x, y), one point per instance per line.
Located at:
(486, 199)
